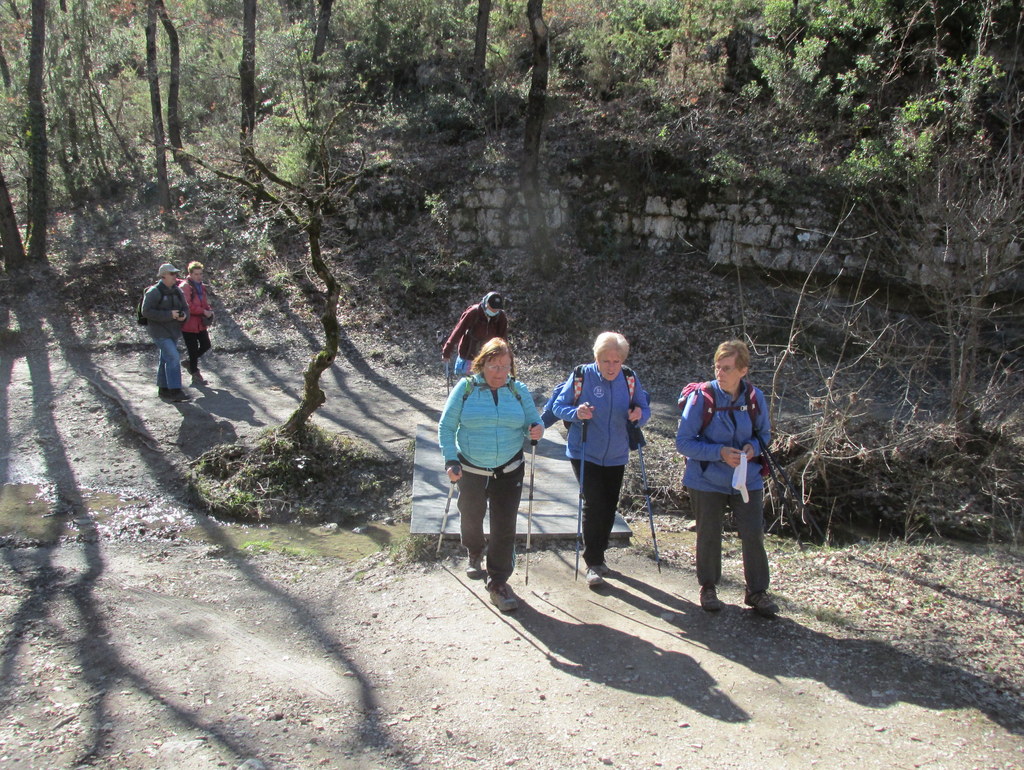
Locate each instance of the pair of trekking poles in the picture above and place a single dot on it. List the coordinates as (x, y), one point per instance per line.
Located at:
(529, 515)
(636, 441)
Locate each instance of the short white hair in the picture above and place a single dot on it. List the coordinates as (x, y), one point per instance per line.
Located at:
(607, 340)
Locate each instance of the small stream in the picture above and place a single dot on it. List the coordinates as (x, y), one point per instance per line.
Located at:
(29, 515)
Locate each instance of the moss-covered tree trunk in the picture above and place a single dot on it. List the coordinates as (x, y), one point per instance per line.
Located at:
(312, 394)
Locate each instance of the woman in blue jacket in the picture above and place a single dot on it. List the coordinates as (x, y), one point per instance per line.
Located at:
(605, 402)
(715, 439)
(487, 417)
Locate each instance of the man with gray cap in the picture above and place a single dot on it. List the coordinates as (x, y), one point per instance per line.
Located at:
(479, 323)
(165, 309)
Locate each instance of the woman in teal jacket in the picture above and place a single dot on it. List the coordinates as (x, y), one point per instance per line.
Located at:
(485, 421)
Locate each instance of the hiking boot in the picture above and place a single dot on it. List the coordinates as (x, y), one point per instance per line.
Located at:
(594, 577)
(164, 392)
(709, 600)
(763, 604)
(197, 378)
(177, 394)
(475, 568)
(602, 569)
(502, 597)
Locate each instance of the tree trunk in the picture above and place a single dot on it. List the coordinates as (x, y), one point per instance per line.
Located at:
(173, 86)
(312, 394)
(535, 108)
(10, 236)
(38, 183)
(4, 69)
(323, 23)
(163, 188)
(483, 20)
(247, 84)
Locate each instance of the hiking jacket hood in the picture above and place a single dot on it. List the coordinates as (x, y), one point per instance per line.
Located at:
(485, 433)
(608, 433)
(732, 427)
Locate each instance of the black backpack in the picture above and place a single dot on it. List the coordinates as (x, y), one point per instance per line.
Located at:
(139, 318)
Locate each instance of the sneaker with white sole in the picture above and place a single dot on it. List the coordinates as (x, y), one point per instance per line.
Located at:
(594, 577)
(502, 597)
(602, 569)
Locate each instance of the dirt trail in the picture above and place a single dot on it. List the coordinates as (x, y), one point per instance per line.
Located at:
(127, 654)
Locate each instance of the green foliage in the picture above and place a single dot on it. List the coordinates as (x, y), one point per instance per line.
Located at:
(726, 170)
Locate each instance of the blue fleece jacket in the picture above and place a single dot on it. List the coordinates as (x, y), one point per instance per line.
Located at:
(607, 434)
(486, 432)
(705, 469)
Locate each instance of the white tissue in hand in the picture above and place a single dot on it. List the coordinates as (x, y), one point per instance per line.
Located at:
(739, 478)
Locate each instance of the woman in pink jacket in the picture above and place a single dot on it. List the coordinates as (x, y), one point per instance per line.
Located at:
(200, 316)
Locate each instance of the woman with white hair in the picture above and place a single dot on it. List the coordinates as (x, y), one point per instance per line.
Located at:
(607, 396)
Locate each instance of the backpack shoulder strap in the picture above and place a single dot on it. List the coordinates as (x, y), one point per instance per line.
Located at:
(471, 384)
(468, 387)
(577, 383)
(753, 408)
(630, 382)
(709, 405)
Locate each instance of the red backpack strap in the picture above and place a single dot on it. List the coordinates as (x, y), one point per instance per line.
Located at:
(709, 405)
(577, 383)
(753, 408)
(708, 409)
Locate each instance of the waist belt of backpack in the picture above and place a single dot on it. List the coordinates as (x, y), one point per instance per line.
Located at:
(504, 470)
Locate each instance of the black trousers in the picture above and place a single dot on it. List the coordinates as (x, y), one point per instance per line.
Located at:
(601, 487)
(196, 343)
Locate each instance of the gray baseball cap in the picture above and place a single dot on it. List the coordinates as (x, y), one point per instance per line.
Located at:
(167, 267)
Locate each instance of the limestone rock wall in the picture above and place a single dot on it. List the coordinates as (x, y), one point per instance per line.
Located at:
(754, 233)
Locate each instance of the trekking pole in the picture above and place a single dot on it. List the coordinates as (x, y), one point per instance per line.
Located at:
(780, 477)
(579, 514)
(529, 514)
(638, 439)
(444, 519)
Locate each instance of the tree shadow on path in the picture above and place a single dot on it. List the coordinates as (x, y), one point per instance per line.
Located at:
(614, 658)
(89, 636)
(868, 672)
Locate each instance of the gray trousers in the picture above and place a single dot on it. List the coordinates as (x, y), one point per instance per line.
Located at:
(477, 494)
(709, 511)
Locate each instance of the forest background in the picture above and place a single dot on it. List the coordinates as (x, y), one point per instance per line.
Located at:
(313, 156)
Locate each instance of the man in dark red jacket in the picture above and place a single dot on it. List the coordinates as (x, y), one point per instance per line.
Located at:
(478, 324)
